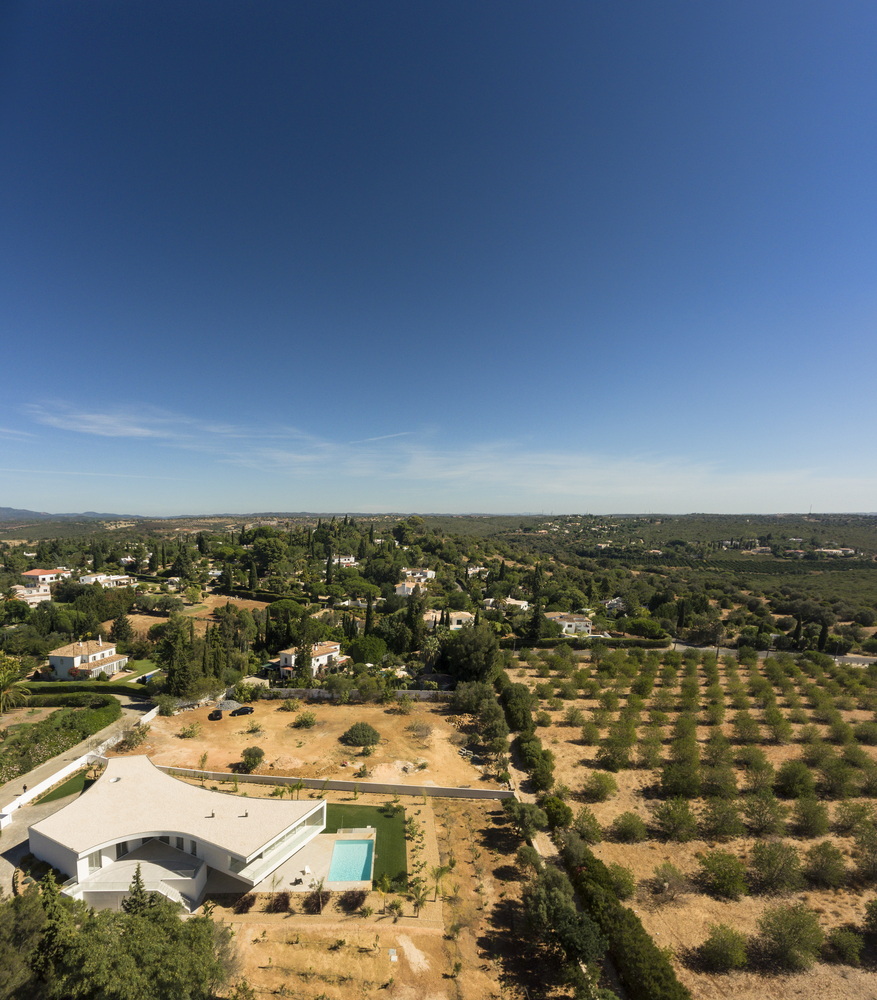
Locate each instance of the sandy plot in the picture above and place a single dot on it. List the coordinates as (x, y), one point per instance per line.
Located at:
(401, 756)
(416, 958)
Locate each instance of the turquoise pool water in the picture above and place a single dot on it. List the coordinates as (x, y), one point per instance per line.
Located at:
(352, 861)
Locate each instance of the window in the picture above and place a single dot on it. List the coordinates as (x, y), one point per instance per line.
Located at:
(121, 849)
(180, 844)
(165, 840)
(193, 848)
(95, 861)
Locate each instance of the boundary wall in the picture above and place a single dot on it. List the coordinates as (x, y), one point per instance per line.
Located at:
(379, 788)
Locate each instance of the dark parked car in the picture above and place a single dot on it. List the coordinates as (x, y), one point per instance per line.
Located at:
(215, 715)
(243, 710)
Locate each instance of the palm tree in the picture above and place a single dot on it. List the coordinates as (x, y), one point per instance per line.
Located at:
(417, 894)
(12, 689)
(384, 885)
(317, 887)
(437, 874)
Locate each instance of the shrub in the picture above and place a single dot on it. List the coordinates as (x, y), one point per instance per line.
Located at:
(623, 882)
(351, 900)
(191, 731)
(837, 778)
(720, 820)
(790, 936)
(361, 734)
(574, 716)
(290, 705)
(304, 720)
(587, 826)
(794, 779)
(870, 922)
(849, 816)
(825, 866)
(844, 946)
(675, 820)
(668, 882)
(599, 787)
(628, 828)
(243, 904)
(278, 902)
(557, 811)
(723, 875)
(590, 734)
(866, 852)
(542, 719)
(166, 704)
(252, 758)
(724, 950)
(680, 780)
(866, 732)
(718, 782)
(810, 817)
(764, 814)
(775, 867)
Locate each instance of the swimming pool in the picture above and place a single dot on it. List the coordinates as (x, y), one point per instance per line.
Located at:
(352, 861)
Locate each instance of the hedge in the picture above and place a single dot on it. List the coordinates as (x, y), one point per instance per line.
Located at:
(85, 687)
(513, 642)
(644, 970)
(31, 744)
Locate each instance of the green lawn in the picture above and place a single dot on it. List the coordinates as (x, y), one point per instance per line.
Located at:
(76, 783)
(140, 667)
(390, 854)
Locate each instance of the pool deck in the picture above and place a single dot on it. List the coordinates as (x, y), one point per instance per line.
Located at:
(317, 856)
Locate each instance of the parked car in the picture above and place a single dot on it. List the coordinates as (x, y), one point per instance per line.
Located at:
(215, 715)
(243, 710)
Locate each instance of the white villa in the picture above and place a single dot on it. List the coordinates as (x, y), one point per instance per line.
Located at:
(177, 833)
(324, 654)
(420, 575)
(107, 581)
(571, 624)
(345, 561)
(32, 596)
(86, 660)
(35, 576)
(457, 619)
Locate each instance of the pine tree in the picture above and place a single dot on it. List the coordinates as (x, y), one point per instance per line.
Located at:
(138, 899)
(369, 615)
(121, 630)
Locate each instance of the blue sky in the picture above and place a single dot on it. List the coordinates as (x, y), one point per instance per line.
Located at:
(457, 256)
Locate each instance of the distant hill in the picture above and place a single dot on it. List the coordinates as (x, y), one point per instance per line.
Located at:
(15, 514)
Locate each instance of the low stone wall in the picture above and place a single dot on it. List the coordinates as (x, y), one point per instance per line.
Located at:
(379, 788)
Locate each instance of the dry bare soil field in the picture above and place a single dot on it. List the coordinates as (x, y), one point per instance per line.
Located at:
(418, 748)
(682, 923)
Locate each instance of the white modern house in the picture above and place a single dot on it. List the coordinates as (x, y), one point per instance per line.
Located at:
(86, 660)
(324, 654)
(177, 833)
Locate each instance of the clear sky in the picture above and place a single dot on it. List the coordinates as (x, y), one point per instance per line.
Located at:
(588, 256)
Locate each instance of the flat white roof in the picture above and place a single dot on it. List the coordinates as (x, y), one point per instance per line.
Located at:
(133, 798)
